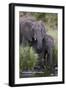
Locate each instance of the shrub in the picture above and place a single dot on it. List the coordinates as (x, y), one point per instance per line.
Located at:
(28, 58)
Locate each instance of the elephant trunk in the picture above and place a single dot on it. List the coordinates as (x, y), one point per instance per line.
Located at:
(39, 45)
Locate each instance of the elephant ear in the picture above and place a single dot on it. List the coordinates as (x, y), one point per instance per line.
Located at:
(43, 30)
(27, 30)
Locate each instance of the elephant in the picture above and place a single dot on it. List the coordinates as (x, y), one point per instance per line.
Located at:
(39, 32)
(48, 45)
(33, 32)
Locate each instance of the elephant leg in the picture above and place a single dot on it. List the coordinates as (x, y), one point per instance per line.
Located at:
(45, 58)
(49, 59)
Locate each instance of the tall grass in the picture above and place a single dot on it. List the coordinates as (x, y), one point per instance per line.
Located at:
(28, 58)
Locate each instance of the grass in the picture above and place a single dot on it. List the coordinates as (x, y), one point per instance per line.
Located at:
(28, 58)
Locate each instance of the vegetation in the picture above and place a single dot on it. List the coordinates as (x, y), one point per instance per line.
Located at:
(50, 19)
(28, 58)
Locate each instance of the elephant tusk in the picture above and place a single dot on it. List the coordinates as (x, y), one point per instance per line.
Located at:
(35, 38)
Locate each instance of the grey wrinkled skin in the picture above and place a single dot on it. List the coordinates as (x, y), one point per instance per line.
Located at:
(34, 33)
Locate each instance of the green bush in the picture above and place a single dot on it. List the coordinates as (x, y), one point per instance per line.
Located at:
(28, 58)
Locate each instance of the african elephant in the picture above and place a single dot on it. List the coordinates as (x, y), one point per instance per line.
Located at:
(34, 33)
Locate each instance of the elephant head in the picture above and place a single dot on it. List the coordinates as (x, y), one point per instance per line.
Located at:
(32, 31)
(38, 33)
